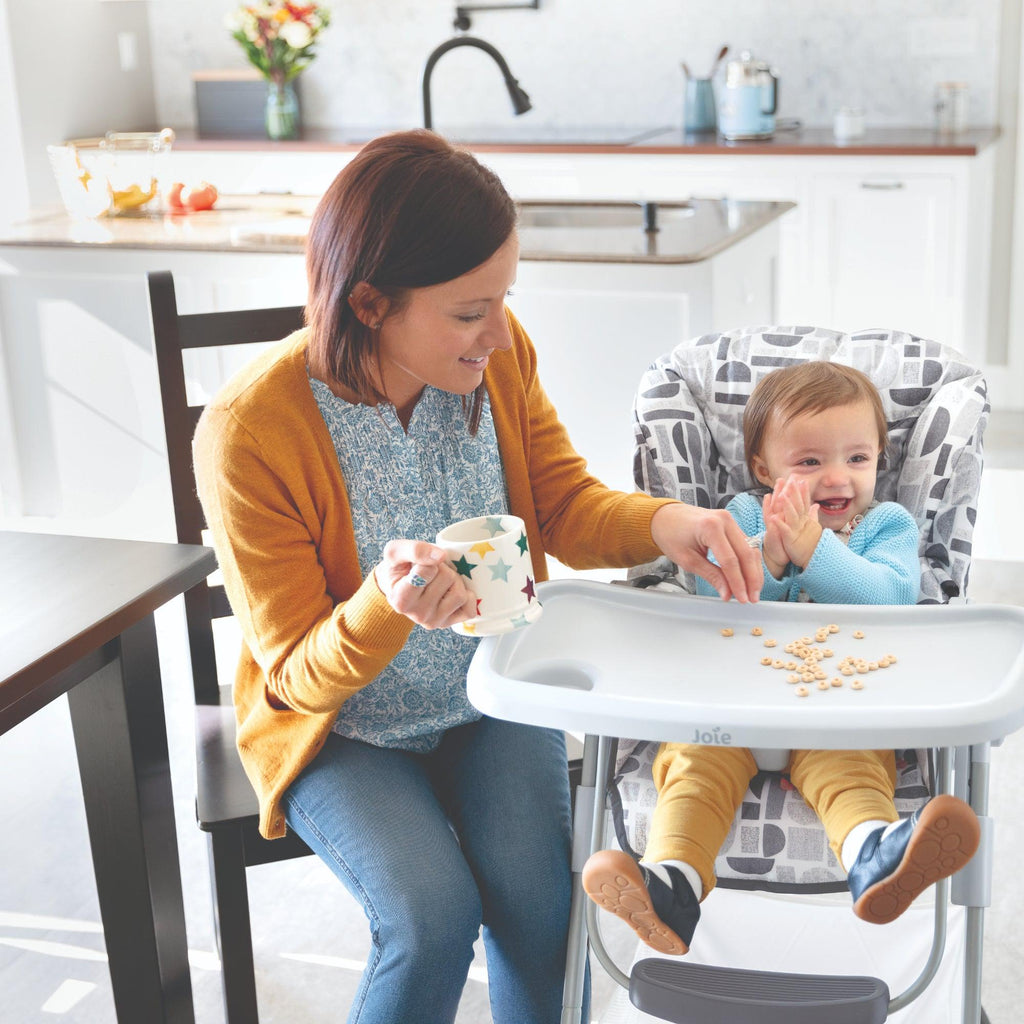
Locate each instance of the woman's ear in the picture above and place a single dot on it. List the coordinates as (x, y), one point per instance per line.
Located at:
(760, 468)
(368, 304)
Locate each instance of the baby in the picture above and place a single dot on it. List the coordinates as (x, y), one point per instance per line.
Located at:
(814, 434)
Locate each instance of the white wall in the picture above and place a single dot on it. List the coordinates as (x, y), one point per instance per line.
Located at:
(590, 62)
(67, 79)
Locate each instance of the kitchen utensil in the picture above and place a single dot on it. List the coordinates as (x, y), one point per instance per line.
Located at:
(748, 100)
(718, 60)
(699, 106)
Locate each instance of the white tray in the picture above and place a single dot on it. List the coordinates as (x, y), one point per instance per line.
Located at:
(618, 661)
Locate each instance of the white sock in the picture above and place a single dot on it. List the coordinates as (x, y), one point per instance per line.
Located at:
(858, 835)
(690, 873)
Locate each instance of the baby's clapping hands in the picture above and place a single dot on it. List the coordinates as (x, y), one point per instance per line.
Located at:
(791, 527)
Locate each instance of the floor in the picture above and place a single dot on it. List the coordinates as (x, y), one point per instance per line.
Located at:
(310, 937)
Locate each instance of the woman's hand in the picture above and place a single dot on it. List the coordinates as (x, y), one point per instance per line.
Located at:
(420, 585)
(686, 534)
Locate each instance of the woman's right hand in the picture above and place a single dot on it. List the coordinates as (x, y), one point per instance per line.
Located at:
(418, 583)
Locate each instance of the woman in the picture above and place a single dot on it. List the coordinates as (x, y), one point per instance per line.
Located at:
(411, 401)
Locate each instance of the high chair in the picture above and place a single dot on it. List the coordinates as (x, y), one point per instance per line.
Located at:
(648, 661)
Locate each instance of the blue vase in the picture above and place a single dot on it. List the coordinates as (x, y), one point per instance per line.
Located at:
(282, 111)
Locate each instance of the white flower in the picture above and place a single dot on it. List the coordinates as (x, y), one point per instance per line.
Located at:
(296, 34)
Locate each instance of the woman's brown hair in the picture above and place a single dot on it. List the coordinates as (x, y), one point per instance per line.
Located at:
(410, 210)
(811, 387)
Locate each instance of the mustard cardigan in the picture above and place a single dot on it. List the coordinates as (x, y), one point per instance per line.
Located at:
(314, 632)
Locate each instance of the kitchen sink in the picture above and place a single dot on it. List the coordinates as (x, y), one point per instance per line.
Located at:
(603, 215)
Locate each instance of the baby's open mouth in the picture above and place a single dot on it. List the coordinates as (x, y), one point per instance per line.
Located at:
(834, 506)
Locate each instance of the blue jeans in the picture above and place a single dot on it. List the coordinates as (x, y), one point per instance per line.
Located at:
(477, 832)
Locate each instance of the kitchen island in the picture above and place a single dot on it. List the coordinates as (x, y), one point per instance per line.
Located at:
(81, 432)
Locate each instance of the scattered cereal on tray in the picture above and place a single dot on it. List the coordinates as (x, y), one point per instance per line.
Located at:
(770, 643)
(756, 631)
(726, 631)
(801, 691)
(857, 684)
(858, 634)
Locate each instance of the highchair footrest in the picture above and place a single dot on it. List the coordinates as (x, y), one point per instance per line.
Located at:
(702, 994)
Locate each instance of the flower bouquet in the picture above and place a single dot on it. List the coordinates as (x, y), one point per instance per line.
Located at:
(277, 37)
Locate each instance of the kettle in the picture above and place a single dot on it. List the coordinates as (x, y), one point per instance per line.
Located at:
(748, 99)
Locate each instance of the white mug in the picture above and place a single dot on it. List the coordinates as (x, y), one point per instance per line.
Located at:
(491, 553)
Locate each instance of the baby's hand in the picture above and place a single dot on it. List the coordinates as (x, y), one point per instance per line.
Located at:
(795, 518)
(772, 547)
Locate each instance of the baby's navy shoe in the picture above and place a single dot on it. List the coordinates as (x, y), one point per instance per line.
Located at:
(663, 916)
(936, 841)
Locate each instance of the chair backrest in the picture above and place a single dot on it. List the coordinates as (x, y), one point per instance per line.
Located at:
(175, 334)
(688, 416)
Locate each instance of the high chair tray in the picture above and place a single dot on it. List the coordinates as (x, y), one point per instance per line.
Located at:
(619, 661)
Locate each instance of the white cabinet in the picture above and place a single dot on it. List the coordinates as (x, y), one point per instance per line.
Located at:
(884, 253)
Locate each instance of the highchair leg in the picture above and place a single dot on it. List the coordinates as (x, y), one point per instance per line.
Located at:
(576, 948)
(587, 831)
(972, 886)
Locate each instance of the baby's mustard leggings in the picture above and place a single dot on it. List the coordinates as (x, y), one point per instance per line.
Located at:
(700, 789)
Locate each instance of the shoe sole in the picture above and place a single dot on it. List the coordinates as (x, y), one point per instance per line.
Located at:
(944, 840)
(613, 881)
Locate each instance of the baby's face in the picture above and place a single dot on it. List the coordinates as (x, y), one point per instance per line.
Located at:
(836, 451)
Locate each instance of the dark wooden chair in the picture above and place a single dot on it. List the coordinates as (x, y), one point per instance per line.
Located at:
(226, 806)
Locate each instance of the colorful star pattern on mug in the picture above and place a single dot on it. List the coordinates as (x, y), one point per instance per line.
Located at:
(522, 543)
(493, 525)
(464, 567)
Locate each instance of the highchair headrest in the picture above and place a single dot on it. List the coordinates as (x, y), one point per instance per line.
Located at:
(688, 416)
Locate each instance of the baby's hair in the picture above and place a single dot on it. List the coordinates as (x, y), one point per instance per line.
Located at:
(811, 387)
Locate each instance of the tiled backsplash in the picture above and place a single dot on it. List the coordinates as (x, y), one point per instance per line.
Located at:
(607, 62)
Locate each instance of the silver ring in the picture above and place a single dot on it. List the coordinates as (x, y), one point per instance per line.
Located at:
(414, 579)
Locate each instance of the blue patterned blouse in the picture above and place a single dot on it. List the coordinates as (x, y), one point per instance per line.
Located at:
(413, 485)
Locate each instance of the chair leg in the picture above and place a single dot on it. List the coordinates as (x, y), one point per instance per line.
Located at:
(231, 922)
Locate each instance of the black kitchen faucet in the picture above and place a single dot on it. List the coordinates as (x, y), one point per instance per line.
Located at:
(520, 101)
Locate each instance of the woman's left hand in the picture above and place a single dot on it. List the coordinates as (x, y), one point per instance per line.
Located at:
(686, 534)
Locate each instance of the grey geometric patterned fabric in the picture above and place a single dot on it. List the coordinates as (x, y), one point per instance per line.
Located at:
(688, 415)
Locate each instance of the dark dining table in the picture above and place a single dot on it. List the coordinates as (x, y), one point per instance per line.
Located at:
(76, 618)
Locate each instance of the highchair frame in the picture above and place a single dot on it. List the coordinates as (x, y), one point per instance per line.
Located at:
(679, 456)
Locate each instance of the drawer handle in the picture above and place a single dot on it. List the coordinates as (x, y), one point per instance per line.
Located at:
(882, 186)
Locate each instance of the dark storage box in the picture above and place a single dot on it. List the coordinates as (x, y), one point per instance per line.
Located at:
(230, 104)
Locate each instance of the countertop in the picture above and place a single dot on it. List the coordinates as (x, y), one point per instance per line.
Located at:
(614, 233)
(521, 136)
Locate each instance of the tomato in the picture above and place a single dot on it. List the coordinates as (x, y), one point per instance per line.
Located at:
(173, 196)
(202, 197)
